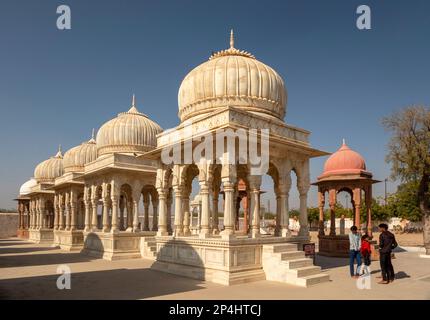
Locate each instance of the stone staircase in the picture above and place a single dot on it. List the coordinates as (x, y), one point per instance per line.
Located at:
(284, 263)
(148, 247)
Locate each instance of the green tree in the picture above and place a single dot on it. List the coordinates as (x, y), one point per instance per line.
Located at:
(404, 203)
(313, 214)
(409, 155)
(294, 213)
(379, 212)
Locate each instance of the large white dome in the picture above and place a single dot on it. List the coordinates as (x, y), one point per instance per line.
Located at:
(232, 78)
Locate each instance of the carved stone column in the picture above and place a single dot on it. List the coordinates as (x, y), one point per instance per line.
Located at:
(94, 203)
(73, 208)
(204, 222)
(186, 208)
(129, 206)
(357, 202)
(105, 209)
(162, 212)
(332, 203)
(254, 184)
(30, 225)
(136, 200)
(115, 199)
(369, 210)
(68, 211)
(169, 200)
(215, 219)
(56, 212)
(228, 185)
(284, 186)
(42, 206)
(154, 201)
(303, 217)
(321, 203)
(61, 209)
(121, 213)
(146, 211)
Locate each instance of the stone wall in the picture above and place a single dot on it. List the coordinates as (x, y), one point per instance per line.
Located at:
(8, 224)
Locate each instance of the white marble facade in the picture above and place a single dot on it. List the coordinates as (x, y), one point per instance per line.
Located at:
(89, 200)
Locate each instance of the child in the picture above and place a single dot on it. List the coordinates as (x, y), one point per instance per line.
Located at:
(365, 252)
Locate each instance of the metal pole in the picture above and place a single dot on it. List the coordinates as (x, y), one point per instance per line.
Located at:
(385, 190)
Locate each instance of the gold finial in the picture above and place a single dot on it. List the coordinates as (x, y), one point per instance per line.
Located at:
(231, 39)
(133, 101)
(92, 134)
(343, 141)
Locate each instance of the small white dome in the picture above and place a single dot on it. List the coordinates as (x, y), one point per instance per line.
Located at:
(77, 157)
(26, 187)
(50, 169)
(130, 132)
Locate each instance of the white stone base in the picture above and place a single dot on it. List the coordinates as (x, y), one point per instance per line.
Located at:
(112, 246)
(216, 259)
(42, 236)
(425, 256)
(69, 240)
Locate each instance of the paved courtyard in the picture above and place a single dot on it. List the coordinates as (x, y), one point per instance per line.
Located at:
(28, 271)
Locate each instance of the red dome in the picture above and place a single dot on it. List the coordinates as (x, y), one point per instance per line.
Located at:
(344, 161)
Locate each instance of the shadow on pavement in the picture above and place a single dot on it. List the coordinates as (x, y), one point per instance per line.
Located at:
(24, 250)
(330, 262)
(108, 284)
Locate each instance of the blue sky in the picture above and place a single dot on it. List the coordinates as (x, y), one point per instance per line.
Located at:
(55, 86)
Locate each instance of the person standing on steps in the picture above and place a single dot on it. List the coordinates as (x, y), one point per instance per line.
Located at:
(354, 251)
(387, 242)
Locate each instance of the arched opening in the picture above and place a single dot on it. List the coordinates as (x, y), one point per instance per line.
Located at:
(125, 208)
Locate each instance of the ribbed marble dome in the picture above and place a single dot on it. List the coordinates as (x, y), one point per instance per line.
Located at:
(26, 187)
(77, 157)
(50, 169)
(130, 132)
(232, 78)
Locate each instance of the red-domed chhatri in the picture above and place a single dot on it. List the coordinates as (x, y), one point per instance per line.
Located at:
(344, 170)
(344, 161)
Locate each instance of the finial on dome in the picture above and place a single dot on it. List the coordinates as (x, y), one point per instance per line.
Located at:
(133, 108)
(343, 141)
(59, 154)
(92, 140)
(231, 39)
(232, 51)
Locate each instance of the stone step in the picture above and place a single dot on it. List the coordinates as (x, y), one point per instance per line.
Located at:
(312, 280)
(292, 255)
(305, 271)
(298, 263)
(280, 247)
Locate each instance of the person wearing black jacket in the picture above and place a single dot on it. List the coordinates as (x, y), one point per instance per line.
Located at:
(387, 242)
